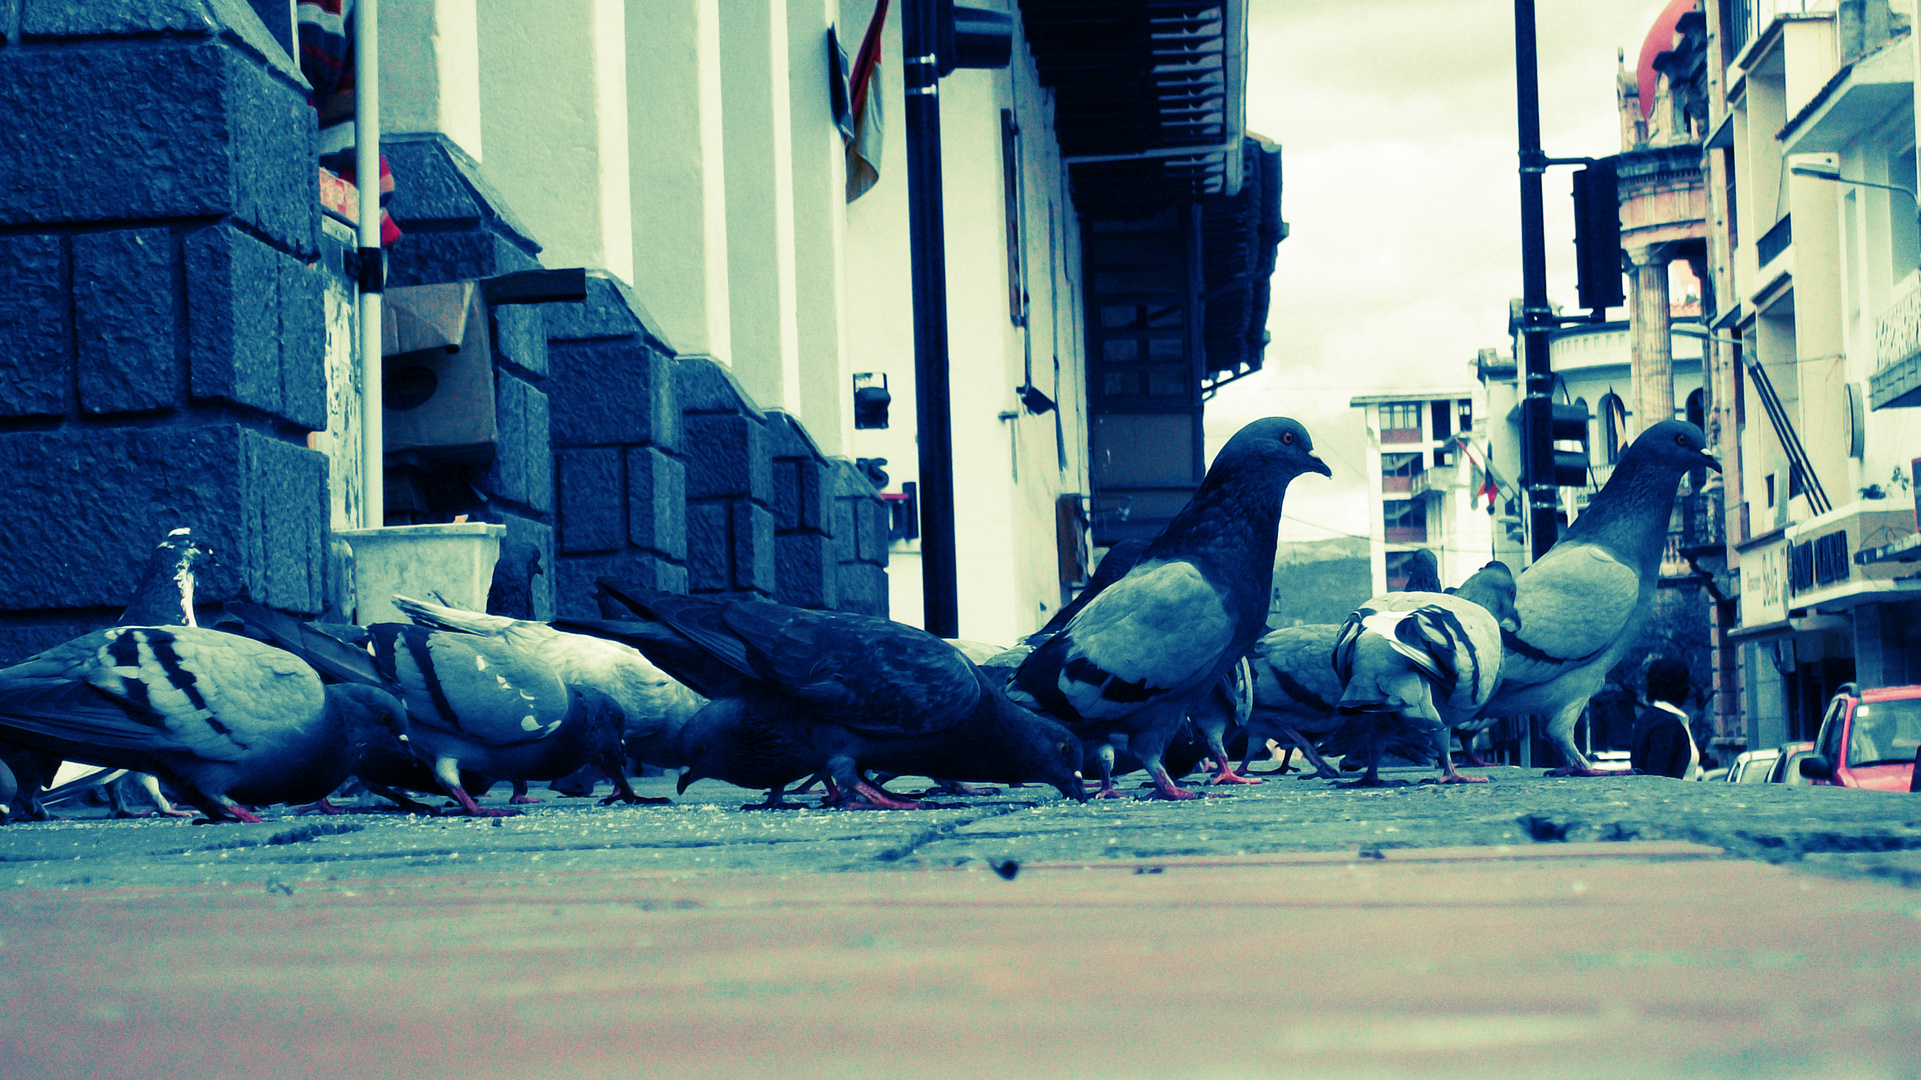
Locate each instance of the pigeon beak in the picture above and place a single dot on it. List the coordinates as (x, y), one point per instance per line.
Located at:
(687, 778)
(1315, 464)
(1709, 461)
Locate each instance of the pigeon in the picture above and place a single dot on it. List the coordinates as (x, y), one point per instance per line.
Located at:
(841, 693)
(9, 789)
(1412, 663)
(1136, 660)
(1583, 604)
(654, 703)
(477, 705)
(218, 716)
(1423, 573)
(1295, 690)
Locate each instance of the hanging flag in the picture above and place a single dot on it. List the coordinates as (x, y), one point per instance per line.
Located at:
(863, 133)
(326, 29)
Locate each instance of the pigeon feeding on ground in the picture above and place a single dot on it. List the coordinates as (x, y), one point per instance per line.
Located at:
(475, 705)
(1137, 658)
(805, 691)
(1295, 689)
(655, 704)
(1582, 605)
(1413, 663)
(218, 716)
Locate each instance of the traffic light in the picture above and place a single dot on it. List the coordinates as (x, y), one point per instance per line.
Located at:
(973, 37)
(1597, 236)
(1569, 426)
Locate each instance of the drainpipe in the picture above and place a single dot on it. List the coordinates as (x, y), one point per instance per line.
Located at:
(933, 414)
(373, 267)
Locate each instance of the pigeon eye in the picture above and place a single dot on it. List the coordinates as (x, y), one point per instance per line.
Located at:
(1287, 437)
(1681, 439)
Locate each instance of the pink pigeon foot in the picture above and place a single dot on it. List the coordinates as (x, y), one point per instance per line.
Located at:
(1455, 778)
(872, 798)
(1227, 775)
(1475, 759)
(474, 809)
(1166, 788)
(523, 800)
(324, 806)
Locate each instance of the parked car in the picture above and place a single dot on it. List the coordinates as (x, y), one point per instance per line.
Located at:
(1868, 739)
(1753, 766)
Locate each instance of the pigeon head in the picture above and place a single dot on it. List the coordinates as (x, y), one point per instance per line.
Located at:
(165, 594)
(1492, 587)
(1631, 513)
(376, 721)
(1423, 573)
(1038, 749)
(1671, 444)
(1275, 444)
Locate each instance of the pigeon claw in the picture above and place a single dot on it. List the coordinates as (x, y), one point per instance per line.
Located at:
(524, 800)
(1457, 778)
(1229, 776)
(1575, 770)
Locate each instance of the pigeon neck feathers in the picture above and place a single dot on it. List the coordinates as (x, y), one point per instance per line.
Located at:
(1630, 515)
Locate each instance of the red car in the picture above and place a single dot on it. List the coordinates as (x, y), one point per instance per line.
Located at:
(1868, 739)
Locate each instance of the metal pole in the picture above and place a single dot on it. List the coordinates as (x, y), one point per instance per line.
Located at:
(1537, 433)
(372, 267)
(920, 33)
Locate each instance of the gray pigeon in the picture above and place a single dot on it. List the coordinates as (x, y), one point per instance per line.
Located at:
(1295, 689)
(1135, 661)
(1415, 662)
(1582, 605)
(839, 693)
(656, 704)
(1423, 573)
(218, 716)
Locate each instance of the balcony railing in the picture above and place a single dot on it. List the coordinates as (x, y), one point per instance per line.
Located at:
(1401, 435)
(1703, 524)
(1775, 240)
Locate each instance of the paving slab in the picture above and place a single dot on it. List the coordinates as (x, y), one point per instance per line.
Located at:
(1633, 926)
(1601, 959)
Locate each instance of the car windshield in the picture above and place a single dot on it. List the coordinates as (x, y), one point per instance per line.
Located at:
(1884, 732)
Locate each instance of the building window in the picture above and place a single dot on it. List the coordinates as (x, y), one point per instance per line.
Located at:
(1614, 427)
(1401, 422)
(1398, 472)
(1404, 521)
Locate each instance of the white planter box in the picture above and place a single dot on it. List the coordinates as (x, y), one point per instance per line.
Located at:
(453, 563)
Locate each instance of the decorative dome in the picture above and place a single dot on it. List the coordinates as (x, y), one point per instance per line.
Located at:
(1659, 40)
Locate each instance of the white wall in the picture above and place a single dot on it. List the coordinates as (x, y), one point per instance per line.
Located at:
(553, 110)
(677, 172)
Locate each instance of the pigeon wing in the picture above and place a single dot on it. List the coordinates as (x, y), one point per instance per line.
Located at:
(1293, 669)
(1573, 605)
(475, 686)
(1161, 630)
(870, 674)
(215, 696)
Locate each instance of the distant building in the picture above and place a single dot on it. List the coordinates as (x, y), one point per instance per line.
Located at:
(1424, 489)
(1319, 581)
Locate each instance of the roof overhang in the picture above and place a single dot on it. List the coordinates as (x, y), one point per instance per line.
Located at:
(1150, 97)
(1861, 97)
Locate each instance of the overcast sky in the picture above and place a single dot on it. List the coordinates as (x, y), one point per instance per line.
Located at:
(1397, 129)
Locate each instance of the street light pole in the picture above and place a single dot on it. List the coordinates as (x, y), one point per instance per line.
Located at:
(1537, 432)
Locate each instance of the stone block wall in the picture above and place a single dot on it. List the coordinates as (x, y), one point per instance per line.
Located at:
(807, 565)
(730, 484)
(620, 482)
(161, 338)
(860, 541)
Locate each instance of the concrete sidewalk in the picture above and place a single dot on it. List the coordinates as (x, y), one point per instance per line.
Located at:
(1623, 959)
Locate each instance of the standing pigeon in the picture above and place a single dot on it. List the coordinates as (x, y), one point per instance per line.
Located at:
(476, 705)
(218, 716)
(1295, 690)
(1582, 605)
(1411, 663)
(655, 704)
(857, 692)
(1136, 659)
(164, 597)
(1423, 573)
